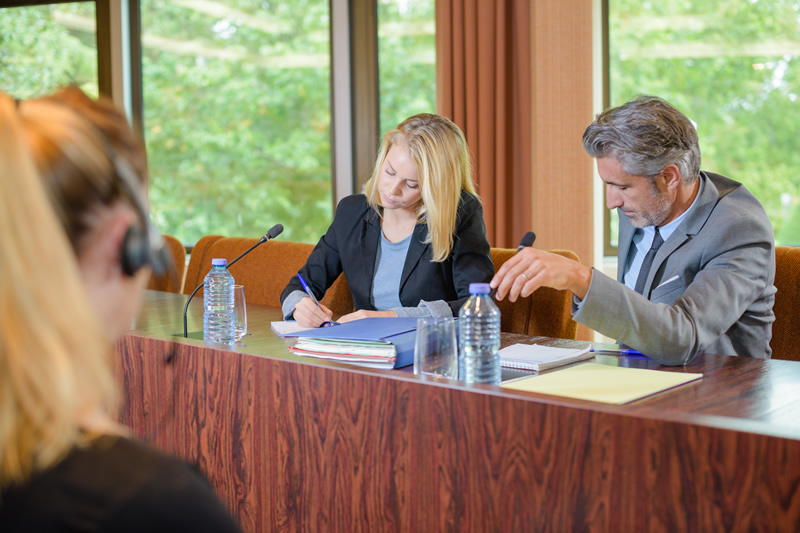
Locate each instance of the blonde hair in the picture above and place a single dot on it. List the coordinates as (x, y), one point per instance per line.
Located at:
(55, 360)
(438, 148)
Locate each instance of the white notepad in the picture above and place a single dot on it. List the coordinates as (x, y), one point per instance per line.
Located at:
(287, 326)
(538, 357)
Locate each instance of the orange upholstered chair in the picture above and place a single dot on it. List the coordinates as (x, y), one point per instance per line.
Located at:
(546, 312)
(199, 263)
(265, 272)
(172, 280)
(786, 329)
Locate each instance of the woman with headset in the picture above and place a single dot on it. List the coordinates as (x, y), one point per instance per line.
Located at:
(77, 250)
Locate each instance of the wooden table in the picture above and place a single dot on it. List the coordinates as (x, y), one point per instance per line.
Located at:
(295, 444)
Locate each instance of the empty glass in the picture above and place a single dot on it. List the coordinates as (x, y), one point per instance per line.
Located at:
(239, 313)
(436, 350)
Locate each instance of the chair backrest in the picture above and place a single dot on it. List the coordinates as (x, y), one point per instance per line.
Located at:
(172, 280)
(546, 312)
(786, 329)
(199, 263)
(265, 272)
(268, 268)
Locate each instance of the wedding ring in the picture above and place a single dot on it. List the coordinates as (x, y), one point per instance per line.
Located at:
(524, 276)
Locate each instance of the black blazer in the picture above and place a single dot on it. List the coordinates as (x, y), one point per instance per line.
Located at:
(351, 245)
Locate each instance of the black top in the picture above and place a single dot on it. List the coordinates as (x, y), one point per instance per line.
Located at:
(351, 244)
(119, 485)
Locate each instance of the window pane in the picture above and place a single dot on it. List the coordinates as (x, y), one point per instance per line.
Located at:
(406, 59)
(43, 48)
(237, 116)
(732, 67)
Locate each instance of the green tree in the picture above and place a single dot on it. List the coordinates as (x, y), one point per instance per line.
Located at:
(40, 52)
(406, 59)
(237, 117)
(236, 100)
(732, 67)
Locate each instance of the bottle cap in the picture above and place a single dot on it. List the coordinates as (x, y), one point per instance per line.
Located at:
(219, 262)
(479, 288)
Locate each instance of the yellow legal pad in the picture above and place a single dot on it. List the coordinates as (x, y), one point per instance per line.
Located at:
(602, 383)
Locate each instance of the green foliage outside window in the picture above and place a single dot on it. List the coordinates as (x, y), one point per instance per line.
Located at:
(406, 60)
(732, 67)
(237, 116)
(43, 48)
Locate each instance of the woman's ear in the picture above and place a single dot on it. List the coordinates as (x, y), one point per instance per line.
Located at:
(114, 295)
(100, 253)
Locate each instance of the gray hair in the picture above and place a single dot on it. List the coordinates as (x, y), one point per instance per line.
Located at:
(644, 136)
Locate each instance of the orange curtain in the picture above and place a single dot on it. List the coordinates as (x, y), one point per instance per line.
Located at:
(483, 84)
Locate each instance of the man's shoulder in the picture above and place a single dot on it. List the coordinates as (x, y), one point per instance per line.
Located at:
(729, 188)
(733, 208)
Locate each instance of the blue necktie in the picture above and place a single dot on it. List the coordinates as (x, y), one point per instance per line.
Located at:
(648, 262)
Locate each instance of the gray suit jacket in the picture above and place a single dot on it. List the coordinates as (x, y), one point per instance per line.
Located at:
(710, 288)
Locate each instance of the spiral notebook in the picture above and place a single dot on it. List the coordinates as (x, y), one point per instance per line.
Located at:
(538, 357)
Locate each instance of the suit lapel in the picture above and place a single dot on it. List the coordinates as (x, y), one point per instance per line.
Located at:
(690, 226)
(626, 231)
(369, 241)
(416, 249)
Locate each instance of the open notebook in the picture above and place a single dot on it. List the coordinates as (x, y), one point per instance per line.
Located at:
(538, 357)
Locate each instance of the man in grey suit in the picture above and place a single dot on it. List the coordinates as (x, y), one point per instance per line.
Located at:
(696, 260)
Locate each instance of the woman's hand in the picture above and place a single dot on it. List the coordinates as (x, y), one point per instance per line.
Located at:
(363, 313)
(308, 315)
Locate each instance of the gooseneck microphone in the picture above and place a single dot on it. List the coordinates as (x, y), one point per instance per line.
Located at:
(527, 240)
(273, 232)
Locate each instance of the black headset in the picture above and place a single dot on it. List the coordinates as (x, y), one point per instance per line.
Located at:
(141, 246)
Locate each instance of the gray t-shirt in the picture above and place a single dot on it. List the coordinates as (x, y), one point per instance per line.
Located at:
(389, 263)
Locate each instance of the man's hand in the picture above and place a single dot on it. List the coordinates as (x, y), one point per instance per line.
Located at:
(530, 269)
(365, 314)
(308, 315)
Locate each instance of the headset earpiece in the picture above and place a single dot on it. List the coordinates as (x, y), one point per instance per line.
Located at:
(135, 250)
(143, 244)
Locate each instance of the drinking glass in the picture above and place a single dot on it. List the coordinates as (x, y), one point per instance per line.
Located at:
(436, 349)
(239, 313)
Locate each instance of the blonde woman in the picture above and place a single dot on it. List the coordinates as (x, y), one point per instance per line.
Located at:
(75, 256)
(413, 243)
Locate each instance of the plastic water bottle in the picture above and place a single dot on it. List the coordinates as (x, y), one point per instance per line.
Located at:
(479, 337)
(218, 323)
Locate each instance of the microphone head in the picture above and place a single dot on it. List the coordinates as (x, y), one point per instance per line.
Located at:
(527, 239)
(274, 231)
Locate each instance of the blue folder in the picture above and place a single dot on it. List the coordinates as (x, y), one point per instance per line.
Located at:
(401, 332)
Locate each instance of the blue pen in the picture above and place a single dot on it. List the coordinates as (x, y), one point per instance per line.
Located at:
(314, 299)
(621, 351)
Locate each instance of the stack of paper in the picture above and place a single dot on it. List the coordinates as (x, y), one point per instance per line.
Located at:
(538, 357)
(375, 342)
(379, 354)
(603, 383)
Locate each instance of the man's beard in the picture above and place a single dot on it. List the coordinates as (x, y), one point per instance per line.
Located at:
(655, 212)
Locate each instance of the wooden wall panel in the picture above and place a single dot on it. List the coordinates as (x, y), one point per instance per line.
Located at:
(561, 192)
